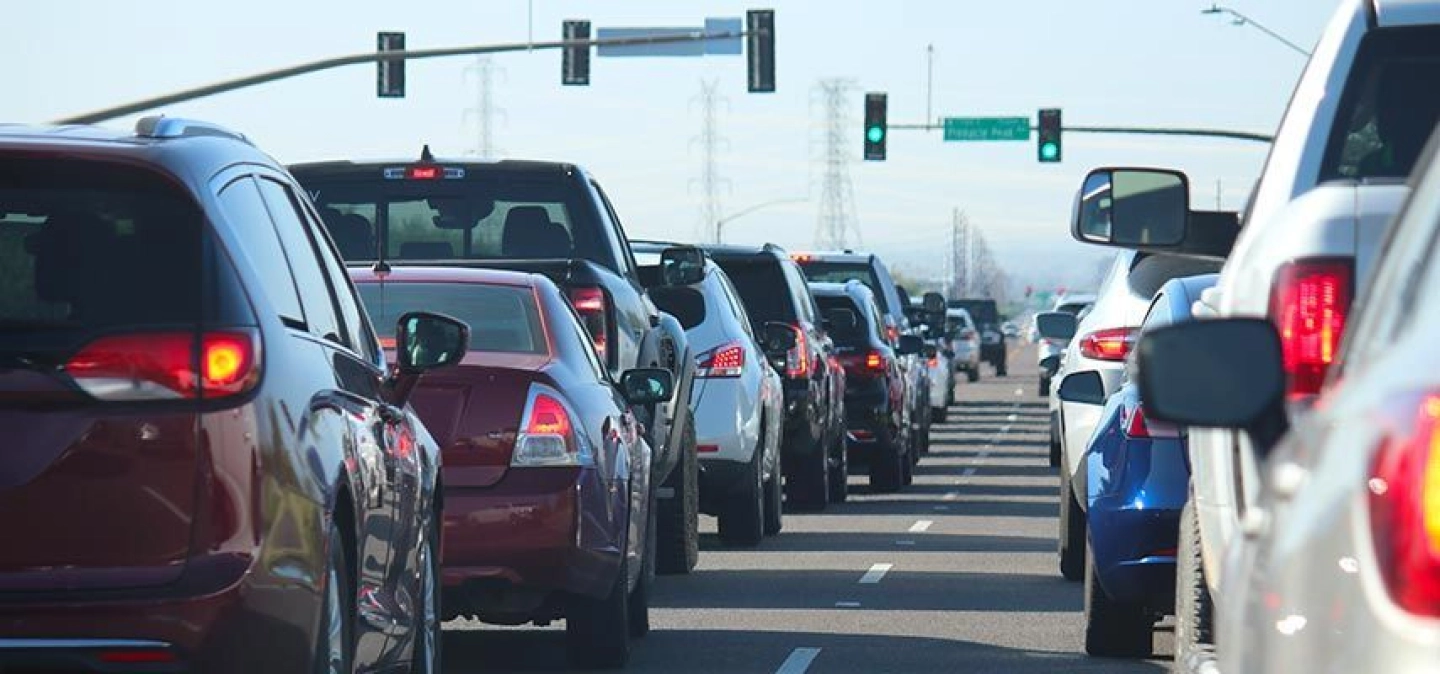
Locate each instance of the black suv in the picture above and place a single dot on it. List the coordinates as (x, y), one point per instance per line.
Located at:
(874, 382)
(987, 319)
(208, 465)
(813, 449)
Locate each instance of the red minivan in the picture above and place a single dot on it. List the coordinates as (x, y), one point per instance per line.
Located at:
(207, 466)
(548, 503)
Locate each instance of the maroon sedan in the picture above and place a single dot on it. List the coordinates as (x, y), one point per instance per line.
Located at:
(546, 475)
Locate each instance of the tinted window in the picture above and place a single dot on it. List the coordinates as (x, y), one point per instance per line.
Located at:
(840, 272)
(1390, 105)
(858, 336)
(310, 279)
(501, 318)
(260, 247)
(1072, 308)
(357, 323)
(759, 283)
(982, 312)
(494, 219)
(87, 247)
(800, 292)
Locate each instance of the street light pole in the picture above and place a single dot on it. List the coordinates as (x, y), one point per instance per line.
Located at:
(1241, 20)
(720, 222)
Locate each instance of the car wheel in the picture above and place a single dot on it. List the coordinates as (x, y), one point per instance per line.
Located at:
(335, 639)
(774, 511)
(939, 415)
(972, 374)
(639, 607)
(1115, 629)
(1054, 447)
(426, 655)
(1044, 389)
(885, 475)
(597, 631)
(808, 484)
(678, 518)
(907, 468)
(742, 521)
(1072, 533)
(1194, 640)
(840, 474)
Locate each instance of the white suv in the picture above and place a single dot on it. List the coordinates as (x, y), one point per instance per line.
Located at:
(1358, 120)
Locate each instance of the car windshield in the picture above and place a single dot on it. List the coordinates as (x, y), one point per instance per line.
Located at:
(839, 272)
(87, 248)
(501, 318)
(462, 219)
(1390, 106)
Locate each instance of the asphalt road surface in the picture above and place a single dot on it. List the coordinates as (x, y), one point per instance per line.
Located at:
(956, 573)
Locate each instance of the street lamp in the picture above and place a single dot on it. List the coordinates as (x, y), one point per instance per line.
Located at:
(1241, 20)
(720, 222)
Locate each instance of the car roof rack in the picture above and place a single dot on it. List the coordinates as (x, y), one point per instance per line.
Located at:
(160, 126)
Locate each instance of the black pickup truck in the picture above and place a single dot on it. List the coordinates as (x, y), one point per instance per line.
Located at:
(540, 217)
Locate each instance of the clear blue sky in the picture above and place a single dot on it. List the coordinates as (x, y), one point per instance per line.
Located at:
(1144, 62)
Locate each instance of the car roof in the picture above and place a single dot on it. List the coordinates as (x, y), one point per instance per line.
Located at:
(732, 251)
(190, 150)
(1396, 13)
(366, 167)
(437, 274)
(832, 256)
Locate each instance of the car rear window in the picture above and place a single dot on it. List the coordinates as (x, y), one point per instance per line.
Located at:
(762, 287)
(1390, 106)
(460, 219)
(982, 312)
(858, 336)
(840, 272)
(89, 247)
(501, 318)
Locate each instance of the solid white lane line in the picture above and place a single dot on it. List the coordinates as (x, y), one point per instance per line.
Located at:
(876, 572)
(847, 604)
(799, 661)
(921, 526)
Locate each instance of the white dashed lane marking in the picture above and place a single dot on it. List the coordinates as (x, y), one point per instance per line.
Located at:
(799, 661)
(876, 572)
(921, 526)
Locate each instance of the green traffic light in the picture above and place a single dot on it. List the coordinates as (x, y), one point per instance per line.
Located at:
(1049, 151)
(875, 134)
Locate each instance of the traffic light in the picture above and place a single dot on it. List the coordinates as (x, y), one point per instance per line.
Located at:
(575, 61)
(1049, 145)
(390, 73)
(875, 128)
(760, 50)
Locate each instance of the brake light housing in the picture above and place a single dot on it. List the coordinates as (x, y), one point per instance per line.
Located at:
(548, 435)
(1140, 426)
(1309, 303)
(1110, 344)
(168, 365)
(1404, 499)
(797, 360)
(721, 362)
(594, 309)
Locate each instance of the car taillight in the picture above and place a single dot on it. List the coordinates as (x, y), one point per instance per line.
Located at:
(876, 362)
(934, 361)
(1108, 344)
(593, 307)
(547, 436)
(1308, 304)
(168, 365)
(724, 361)
(797, 360)
(1405, 510)
(1140, 426)
(892, 334)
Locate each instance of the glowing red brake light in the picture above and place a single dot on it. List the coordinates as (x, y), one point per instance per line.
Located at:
(875, 361)
(167, 365)
(1405, 510)
(423, 172)
(724, 361)
(1309, 303)
(548, 417)
(1140, 426)
(547, 436)
(591, 304)
(1109, 344)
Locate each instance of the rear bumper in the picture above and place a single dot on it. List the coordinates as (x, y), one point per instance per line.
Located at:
(993, 353)
(720, 422)
(1136, 490)
(538, 531)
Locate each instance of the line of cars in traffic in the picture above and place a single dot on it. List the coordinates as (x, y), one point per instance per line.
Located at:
(1245, 421)
(218, 449)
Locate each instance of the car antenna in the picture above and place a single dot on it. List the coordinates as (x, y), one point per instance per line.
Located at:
(425, 155)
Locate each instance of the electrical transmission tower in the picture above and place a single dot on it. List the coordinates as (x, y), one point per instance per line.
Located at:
(484, 110)
(710, 180)
(836, 221)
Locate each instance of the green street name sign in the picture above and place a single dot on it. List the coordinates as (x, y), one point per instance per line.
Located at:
(987, 128)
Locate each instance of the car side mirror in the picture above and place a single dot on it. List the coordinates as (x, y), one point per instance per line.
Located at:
(778, 338)
(647, 386)
(934, 305)
(1086, 388)
(1056, 325)
(424, 341)
(1133, 207)
(682, 266)
(909, 345)
(1223, 373)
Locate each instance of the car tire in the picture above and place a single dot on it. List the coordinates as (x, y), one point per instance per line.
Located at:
(1043, 390)
(335, 638)
(597, 631)
(1072, 533)
(808, 485)
(639, 607)
(1115, 629)
(678, 517)
(840, 474)
(885, 470)
(1054, 447)
(907, 468)
(742, 521)
(972, 374)
(939, 415)
(426, 655)
(774, 497)
(1194, 611)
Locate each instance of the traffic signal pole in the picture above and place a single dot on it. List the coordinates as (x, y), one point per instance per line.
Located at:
(1128, 130)
(107, 114)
